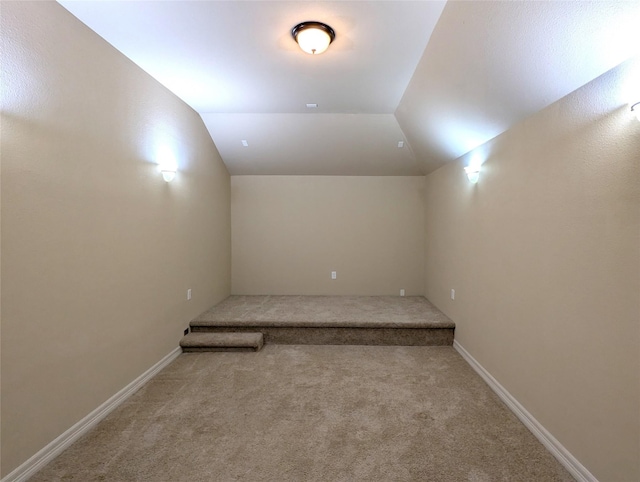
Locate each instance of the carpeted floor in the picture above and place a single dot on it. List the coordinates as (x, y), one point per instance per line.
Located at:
(311, 413)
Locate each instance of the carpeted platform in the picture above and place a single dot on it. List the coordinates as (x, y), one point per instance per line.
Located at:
(333, 320)
(313, 414)
(343, 311)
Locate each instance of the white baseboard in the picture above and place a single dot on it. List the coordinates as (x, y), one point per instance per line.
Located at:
(569, 462)
(53, 449)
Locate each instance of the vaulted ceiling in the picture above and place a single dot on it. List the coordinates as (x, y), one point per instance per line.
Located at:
(441, 78)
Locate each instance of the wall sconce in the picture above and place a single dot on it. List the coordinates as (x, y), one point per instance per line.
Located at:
(313, 37)
(167, 164)
(473, 173)
(635, 108)
(168, 174)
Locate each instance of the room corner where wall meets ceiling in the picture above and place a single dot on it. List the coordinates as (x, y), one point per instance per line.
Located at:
(489, 65)
(98, 250)
(544, 254)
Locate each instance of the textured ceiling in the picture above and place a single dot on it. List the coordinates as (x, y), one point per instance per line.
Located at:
(443, 78)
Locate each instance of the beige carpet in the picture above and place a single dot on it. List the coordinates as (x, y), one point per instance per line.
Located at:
(342, 311)
(311, 413)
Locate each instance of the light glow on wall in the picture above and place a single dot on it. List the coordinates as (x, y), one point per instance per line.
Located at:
(460, 137)
(167, 163)
(635, 108)
(628, 89)
(473, 169)
(159, 144)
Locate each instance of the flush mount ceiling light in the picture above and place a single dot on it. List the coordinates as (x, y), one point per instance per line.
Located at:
(313, 37)
(635, 108)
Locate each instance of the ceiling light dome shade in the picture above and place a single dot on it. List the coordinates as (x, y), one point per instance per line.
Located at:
(313, 37)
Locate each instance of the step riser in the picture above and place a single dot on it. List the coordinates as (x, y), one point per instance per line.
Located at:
(219, 349)
(209, 341)
(342, 336)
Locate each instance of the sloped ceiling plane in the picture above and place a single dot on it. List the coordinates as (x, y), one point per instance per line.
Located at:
(436, 78)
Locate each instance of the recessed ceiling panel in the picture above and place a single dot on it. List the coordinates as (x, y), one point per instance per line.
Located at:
(312, 144)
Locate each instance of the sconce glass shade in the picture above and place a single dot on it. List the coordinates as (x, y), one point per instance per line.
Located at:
(313, 37)
(635, 108)
(168, 175)
(473, 173)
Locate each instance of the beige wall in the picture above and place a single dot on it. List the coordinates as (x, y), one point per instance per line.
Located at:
(544, 254)
(97, 250)
(290, 232)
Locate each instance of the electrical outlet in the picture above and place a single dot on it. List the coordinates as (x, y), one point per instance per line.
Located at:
(186, 332)
(334, 275)
(453, 294)
(401, 292)
(189, 294)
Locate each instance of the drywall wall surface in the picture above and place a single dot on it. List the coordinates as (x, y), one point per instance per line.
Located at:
(290, 232)
(544, 255)
(98, 251)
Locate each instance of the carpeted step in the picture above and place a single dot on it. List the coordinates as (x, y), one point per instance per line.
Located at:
(331, 320)
(222, 342)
